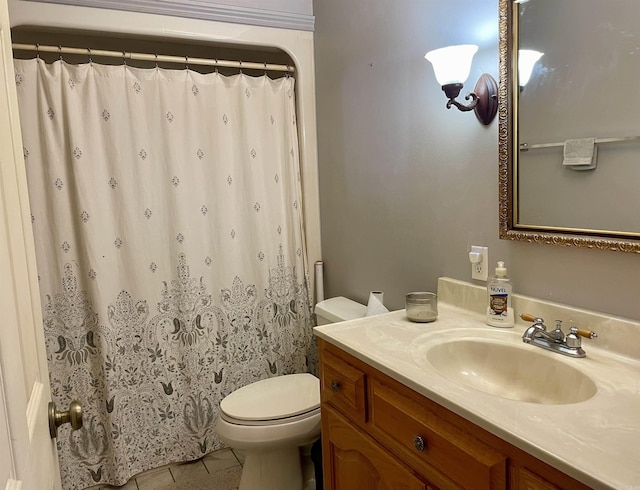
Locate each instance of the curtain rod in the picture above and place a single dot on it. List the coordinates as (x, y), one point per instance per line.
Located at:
(125, 55)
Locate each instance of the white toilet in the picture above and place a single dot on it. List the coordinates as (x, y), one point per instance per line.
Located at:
(338, 309)
(270, 420)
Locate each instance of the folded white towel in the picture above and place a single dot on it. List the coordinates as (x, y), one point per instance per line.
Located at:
(580, 154)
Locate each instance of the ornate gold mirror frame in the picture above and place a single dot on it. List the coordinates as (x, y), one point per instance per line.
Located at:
(508, 145)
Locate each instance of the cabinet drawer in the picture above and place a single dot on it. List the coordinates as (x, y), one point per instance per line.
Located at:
(343, 386)
(419, 431)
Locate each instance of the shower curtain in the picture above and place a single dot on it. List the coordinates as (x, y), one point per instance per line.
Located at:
(166, 207)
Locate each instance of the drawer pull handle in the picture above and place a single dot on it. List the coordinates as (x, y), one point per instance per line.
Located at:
(335, 386)
(419, 443)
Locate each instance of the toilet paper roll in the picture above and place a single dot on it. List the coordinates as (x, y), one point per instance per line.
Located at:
(375, 304)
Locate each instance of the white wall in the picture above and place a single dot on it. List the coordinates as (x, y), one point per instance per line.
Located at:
(407, 185)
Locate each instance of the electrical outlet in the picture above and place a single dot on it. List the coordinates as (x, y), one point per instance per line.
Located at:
(479, 257)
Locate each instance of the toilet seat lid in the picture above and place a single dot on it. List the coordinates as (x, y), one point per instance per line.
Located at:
(274, 398)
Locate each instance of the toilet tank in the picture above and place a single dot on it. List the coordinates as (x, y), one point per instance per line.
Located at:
(338, 309)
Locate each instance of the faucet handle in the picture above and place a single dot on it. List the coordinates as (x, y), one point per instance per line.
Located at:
(537, 321)
(583, 332)
(573, 337)
(527, 317)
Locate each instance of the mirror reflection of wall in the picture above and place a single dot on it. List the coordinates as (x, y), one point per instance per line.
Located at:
(584, 86)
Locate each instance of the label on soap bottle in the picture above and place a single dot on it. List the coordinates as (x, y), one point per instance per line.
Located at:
(499, 310)
(498, 300)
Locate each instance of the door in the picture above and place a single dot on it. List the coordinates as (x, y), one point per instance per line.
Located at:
(28, 459)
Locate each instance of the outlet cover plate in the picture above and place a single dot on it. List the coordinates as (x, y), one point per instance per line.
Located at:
(480, 270)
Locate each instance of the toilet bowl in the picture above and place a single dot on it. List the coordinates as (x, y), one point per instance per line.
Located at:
(270, 420)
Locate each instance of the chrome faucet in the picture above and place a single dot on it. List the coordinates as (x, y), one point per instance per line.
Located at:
(556, 340)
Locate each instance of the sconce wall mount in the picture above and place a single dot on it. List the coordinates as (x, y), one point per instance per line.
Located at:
(452, 66)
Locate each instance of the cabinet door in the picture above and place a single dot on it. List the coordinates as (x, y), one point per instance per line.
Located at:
(354, 461)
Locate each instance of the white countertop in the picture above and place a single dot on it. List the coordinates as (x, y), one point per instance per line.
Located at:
(596, 441)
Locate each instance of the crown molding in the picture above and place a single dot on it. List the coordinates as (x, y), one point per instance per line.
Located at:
(203, 10)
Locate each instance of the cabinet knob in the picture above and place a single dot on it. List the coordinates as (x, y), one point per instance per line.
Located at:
(419, 443)
(335, 386)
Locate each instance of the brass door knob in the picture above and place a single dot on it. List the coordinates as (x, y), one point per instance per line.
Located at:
(56, 419)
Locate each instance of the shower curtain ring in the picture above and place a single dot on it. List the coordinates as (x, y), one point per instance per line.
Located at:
(265, 68)
(37, 51)
(60, 52)
(157, 61)
(216, 65)
(89, 52)
(186, 61)
(124, 58)
(240, 66)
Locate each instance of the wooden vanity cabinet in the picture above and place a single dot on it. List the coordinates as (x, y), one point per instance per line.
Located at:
(379, 434)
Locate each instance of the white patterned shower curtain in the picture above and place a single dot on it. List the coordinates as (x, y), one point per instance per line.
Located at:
(166, 207)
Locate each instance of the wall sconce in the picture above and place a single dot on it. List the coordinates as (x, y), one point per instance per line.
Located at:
(527, 58)
(451, 66)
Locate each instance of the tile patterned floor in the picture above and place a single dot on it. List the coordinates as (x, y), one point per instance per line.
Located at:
(219, 470)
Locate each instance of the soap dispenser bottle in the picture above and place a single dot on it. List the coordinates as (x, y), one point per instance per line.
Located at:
(499, 311)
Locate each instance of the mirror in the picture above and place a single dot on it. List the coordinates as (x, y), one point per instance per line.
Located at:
(584, 86)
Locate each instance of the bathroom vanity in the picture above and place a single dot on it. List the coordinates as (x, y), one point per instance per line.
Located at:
(400, 410)
(378, 430)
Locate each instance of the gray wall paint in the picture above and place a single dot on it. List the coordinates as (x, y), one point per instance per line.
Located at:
(406, 185)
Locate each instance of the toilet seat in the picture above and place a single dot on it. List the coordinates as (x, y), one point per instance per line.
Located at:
(273, 401)
(283, 420)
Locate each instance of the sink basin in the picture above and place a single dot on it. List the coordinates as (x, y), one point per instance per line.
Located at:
(516, 373)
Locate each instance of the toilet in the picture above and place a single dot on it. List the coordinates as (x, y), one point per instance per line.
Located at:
(272, 419)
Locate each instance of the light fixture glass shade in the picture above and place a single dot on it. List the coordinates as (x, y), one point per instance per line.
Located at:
(453, 63)
(527, 59)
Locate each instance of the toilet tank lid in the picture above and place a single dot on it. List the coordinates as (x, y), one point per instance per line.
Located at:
(274, 398)
(339, 309)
